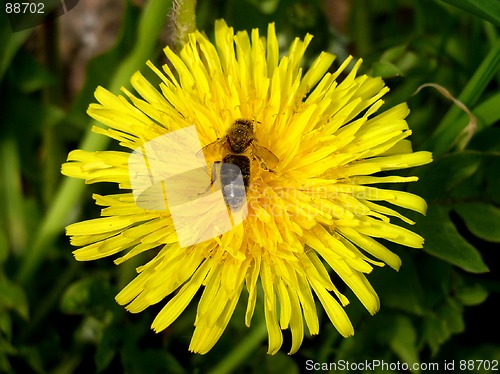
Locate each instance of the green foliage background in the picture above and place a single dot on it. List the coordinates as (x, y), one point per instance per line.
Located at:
(59, 316)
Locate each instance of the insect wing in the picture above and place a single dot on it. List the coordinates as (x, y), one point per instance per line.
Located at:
(215, 148)
(188, 186)
(216, 183)
(264, 154)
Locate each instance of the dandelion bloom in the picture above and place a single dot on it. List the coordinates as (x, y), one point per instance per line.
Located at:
(313, 211)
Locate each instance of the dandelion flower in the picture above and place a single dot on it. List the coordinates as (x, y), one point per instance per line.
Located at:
(314, 212)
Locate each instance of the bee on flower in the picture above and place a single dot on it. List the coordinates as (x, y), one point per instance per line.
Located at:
(308, 172)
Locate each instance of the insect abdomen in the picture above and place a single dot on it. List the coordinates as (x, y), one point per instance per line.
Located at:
(234, 193)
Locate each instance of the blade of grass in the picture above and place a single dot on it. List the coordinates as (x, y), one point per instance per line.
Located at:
(11, 194)
(488, 10)
(11, 42)
(447, 131)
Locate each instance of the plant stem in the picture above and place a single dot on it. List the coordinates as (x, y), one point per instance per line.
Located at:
(183, 20)
(242, 351)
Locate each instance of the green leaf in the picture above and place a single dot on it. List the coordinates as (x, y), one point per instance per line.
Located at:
(87, 294)
(441, 324)
(438, 179)
(4, 249)
(488, 10)
(409, 295)
(436, 277)
(483, 220)
(76, 297)
(5, 325)
(6, 350)
(403, 340)
(12, 296)
(394, 53)
(107, 347)
(385, 69)
(444, 241)
(32, 357)
(472, 294)
(395, 62)
(487, 112)
(481, 186)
